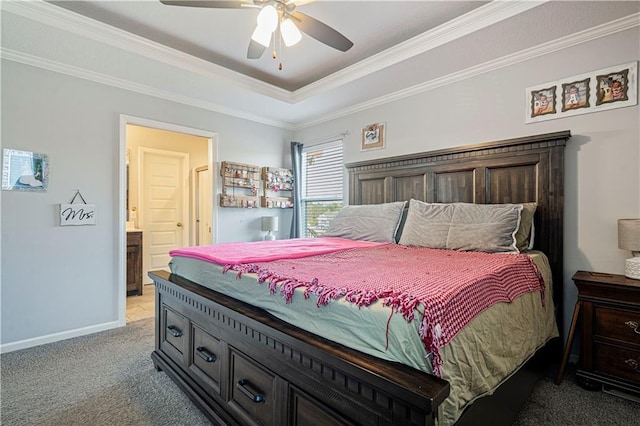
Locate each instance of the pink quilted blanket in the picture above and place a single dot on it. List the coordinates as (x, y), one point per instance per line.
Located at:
(446, 289)
(265, 251)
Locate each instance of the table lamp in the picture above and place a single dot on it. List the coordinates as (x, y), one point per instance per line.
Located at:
(629, 239)
(269, 225)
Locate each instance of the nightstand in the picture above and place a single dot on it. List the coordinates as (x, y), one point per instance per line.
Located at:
(608, 309)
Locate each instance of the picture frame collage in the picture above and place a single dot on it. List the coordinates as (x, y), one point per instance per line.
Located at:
(601, 90)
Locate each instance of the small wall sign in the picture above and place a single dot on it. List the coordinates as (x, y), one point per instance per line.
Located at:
(79, 213)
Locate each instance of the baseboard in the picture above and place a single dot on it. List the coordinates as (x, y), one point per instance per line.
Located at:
(56, 337)
(611, 390)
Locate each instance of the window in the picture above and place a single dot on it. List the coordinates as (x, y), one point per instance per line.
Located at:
(322, 186)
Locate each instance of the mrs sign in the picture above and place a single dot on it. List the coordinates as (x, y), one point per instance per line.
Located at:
(77, 214)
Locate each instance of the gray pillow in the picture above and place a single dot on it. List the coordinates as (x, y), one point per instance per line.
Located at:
(462, 226)
(485, 227)
(427, 225)
(524, 236)
(368, 222)
(403, 219)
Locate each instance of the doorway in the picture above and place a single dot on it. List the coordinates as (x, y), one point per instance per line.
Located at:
(203, 208)
(163, 199)
(157, 196)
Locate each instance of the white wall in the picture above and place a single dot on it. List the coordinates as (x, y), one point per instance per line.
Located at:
(65, 279)
(602, 167)
(59, 281)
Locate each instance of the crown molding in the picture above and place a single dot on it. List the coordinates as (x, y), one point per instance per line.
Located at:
(466, 24)
(57, 17)
(60, 18)
(47, 64)
(604, 30)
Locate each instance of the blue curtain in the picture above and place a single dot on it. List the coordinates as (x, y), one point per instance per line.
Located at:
(296, 166)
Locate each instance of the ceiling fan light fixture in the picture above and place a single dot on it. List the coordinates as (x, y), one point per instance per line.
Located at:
(268, 18)
(262, 35)
(290, 33)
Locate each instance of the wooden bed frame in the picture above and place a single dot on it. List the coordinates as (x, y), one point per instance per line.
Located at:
(241, 365)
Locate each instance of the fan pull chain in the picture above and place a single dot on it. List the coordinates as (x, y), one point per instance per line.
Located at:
(274, 54)
(281, 50)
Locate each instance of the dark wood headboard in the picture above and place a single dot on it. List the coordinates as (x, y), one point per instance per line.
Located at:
(518, 170)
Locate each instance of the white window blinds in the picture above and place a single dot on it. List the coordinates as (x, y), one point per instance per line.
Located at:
(322, 186)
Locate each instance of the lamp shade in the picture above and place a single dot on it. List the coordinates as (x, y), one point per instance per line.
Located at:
(290, 33)
(629, 234)
(268, 18)
(262, 35)
(269, 223)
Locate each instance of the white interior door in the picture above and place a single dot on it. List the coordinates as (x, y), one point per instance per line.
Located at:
(164, 185)
(204, 207)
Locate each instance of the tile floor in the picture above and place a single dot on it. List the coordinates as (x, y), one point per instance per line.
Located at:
(140, 307)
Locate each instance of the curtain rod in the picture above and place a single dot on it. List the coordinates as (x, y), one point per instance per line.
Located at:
(324, 139)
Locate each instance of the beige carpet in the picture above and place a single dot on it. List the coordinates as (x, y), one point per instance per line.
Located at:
(108, 379)
(103, 379)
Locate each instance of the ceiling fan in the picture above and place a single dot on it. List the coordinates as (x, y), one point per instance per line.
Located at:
(274, 13)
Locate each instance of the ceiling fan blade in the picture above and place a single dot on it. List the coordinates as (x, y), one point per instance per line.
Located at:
(255, 50)
(216, 4)
(321, 32)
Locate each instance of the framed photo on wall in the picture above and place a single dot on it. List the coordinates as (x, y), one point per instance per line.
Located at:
(600, 90)
(613, 87)
(373, 136)
(24, 171)
(575, 95)
(542, 101)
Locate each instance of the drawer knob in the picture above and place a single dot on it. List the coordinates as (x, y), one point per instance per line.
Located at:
(249, 391)
(175, 331)
(633, 364)
(205, 354)
(633, 325)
